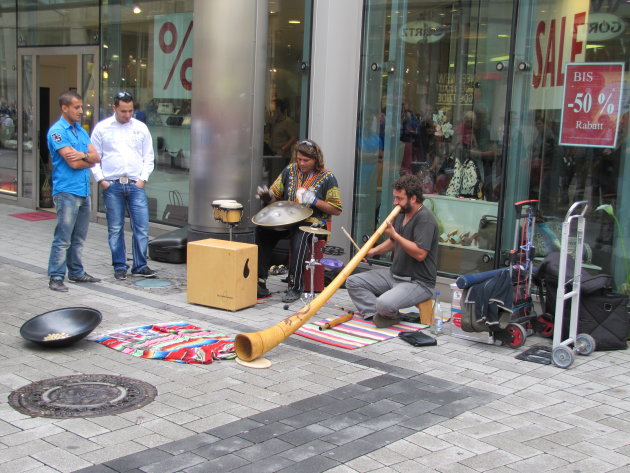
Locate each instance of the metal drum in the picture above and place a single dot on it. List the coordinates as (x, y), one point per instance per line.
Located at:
(231, 212)
(281, 215)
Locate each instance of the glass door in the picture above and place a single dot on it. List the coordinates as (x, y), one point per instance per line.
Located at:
(45, 73)
(27, 170)
(433, 100)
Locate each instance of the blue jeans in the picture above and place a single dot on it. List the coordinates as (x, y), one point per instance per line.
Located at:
(118, 198)
(73, 219)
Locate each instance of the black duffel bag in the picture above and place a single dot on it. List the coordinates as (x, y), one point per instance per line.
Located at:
(605, 317)
(602, 313)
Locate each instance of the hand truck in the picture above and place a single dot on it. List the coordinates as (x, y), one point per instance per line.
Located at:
(563, 351)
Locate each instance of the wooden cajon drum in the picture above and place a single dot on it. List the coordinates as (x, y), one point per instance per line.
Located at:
(222, 273)
(426, 312)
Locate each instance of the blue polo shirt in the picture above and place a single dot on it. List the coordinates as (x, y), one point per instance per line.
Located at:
(66, 179)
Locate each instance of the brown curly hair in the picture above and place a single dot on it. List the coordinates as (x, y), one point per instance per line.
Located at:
(310, 149)
(411, 184)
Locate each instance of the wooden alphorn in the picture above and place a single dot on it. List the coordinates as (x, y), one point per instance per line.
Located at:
(250, 346)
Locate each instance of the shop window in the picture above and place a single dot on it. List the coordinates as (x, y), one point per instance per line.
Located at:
(147, 51)
(57, 23)
(559, 159)
(433, 104)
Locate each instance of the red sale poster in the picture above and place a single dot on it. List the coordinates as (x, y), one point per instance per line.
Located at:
(591, 105)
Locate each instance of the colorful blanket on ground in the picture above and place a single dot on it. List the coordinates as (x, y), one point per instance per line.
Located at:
(179, 342)
(355, 333)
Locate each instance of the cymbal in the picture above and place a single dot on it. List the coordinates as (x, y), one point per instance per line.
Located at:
(315, 230)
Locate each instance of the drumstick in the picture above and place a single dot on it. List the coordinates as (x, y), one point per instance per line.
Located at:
(350, 238)
(352, 241)
(339, 320)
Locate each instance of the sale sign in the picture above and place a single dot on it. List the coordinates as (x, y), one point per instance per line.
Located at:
(172, 56)
(591, 105)
(560, 37)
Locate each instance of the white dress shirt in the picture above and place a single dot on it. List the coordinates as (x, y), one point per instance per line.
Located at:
(126, 149)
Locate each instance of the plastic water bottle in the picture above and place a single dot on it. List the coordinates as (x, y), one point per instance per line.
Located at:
(436, 329)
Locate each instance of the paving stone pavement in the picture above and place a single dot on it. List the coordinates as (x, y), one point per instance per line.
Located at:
(456, 407)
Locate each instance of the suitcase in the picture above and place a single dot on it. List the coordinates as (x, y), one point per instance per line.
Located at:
(170, 247)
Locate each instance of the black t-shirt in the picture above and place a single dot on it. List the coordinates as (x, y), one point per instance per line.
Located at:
(423, 230)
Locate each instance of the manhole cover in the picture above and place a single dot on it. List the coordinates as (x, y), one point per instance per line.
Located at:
(85, 395)
(153, 283)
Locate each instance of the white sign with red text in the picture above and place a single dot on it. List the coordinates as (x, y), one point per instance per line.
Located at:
(172, 56)
(559, 38)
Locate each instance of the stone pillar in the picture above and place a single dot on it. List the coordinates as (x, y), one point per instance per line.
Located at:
(229, 60)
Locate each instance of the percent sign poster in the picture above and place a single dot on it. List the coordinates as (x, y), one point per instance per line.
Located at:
(591, 106)
(172, 56)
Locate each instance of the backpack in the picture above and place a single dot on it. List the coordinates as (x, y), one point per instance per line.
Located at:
(466, 180)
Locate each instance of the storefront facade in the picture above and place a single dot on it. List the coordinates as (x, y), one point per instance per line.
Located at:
(531, 96)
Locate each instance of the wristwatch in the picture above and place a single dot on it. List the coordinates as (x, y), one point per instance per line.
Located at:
(85, 157)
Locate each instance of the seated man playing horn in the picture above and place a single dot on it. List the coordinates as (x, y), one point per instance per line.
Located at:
(307, 182)
(413, 237)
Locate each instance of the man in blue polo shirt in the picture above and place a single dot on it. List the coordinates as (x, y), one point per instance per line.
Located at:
(72, 157)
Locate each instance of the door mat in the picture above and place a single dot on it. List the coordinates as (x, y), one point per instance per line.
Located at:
(355, 333)
(35, 216)
(179, 342)
(536, 354)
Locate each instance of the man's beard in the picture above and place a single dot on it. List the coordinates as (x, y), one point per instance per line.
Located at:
(407, 208)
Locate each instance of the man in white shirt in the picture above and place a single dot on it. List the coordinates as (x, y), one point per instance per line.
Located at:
(127, 160)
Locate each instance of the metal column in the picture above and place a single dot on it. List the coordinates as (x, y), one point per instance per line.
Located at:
(230, 38)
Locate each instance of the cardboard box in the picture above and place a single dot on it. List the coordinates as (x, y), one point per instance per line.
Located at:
(222, 273)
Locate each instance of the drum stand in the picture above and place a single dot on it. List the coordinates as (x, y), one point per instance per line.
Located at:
(231, 227)
(311, 264)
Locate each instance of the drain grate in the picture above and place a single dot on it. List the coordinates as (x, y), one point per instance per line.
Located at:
(153, 283)
(85, 395)
(536, 354)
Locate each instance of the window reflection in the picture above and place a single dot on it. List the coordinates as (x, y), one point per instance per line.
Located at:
(561, 174)
(148, 53)
(8, 104)
(57, 23)
(288, 46)
(432, 105)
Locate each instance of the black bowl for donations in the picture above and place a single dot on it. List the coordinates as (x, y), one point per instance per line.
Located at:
(61, 327)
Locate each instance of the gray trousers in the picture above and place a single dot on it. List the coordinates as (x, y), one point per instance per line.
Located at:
(379, 292)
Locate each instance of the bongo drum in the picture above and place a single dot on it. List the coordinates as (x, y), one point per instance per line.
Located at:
(231, 212)
(216, 208)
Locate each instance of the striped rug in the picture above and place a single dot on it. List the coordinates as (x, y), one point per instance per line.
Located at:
(355, 333)
(35, 216)
(179, 342)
